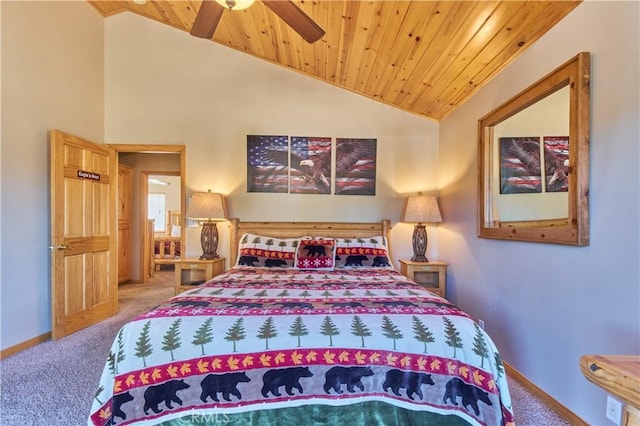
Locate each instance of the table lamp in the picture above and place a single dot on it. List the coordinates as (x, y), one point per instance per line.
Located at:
(421, 209)
(208, 208)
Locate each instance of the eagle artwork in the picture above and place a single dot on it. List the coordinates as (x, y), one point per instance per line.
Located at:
(355, 166)
(556, 154)
(521, 166)
(310, 165)
(263, 173)
(309, 160)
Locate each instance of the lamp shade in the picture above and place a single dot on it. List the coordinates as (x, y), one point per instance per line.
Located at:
(421, 209)
(208, 206)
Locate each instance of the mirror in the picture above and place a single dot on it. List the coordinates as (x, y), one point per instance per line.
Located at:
(533, 161)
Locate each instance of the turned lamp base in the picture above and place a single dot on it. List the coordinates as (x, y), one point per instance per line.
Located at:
(209, 241)
(419, 244)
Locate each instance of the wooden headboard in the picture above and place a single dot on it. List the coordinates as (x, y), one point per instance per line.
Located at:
(300, 229)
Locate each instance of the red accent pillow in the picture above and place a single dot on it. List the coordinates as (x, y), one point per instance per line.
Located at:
(318, 254)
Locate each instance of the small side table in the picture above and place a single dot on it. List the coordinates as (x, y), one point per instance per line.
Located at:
(192, 272)
(431, 275)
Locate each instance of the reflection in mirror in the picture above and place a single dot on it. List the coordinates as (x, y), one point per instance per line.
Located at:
(533, 161)
(531, 148)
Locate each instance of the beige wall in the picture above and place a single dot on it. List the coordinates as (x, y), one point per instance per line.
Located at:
(544, 304)
(165, 86)
(52, 77)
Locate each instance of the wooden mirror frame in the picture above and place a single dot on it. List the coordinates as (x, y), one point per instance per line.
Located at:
(575, 231)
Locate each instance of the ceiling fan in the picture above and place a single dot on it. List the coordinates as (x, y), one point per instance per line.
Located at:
(211, 11)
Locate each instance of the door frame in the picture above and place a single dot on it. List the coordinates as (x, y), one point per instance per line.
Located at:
(142, 218)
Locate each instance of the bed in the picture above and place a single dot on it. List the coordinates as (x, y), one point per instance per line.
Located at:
(312, 325)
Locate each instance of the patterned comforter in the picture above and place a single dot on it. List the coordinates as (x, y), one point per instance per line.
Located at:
(263, 345)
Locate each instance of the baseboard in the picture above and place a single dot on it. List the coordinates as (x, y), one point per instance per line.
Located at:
(5, 353)
(562, 411)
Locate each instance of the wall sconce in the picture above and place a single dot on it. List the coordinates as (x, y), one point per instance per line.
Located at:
(208, 207)
(421, 209)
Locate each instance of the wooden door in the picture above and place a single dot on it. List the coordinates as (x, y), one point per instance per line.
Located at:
(83, 233)
(124, 223)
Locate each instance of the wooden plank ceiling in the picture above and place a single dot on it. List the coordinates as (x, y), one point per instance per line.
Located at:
(425, 57)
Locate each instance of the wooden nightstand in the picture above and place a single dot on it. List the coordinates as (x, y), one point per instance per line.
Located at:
(431, 275)
(192, 272)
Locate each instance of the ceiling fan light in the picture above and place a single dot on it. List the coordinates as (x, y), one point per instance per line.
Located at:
(235, 4)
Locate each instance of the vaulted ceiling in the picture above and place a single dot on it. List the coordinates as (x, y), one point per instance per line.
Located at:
(425, 57)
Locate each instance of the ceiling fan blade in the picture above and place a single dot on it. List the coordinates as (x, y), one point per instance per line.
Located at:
(299, 21)
(207, 19)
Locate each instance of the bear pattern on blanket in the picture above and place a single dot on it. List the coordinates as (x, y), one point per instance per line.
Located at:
(226, 384)
(118, 400)
(350, 376)
(166, 392)
(287, 377)
(409, 380)
(469, 393)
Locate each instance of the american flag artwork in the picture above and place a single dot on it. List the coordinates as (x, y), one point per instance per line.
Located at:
(520, 168)
(355, 166)
(264, 172)
(310, 165)
(556, 157)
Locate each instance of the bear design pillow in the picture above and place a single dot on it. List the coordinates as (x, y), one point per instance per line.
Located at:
(316, 253)
(260, 251)
(370, 252)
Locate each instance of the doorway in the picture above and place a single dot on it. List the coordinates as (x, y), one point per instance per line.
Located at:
(151, 161)
(161, 198)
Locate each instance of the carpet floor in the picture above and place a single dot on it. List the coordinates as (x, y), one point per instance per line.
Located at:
(53, 382)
